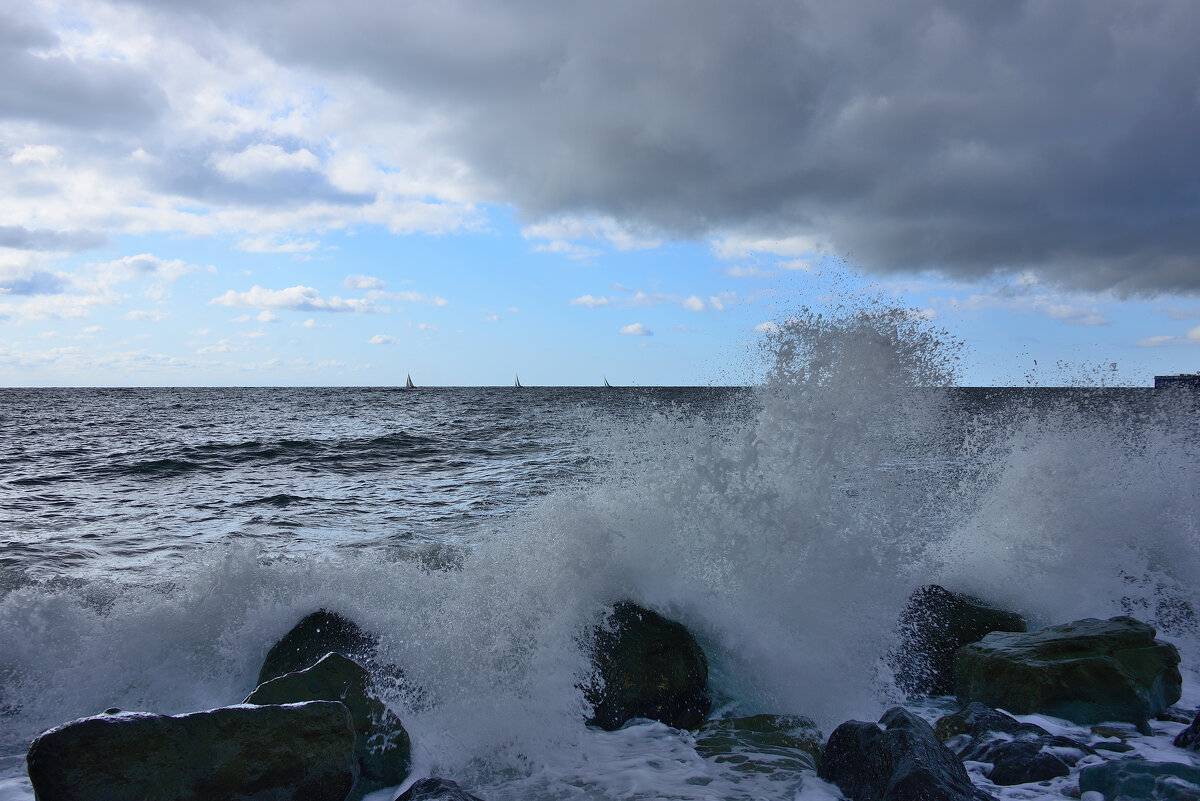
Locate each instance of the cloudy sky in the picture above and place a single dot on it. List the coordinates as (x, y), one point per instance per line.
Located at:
(310, 192)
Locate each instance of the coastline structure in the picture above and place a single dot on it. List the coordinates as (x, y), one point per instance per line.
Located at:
(1180, 380)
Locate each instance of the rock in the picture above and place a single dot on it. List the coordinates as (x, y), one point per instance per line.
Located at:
(1190, 737)
(761, 743)
(1137, 778)
(382, 745)
(648, 667)
(933, 625)
(271, 753)
(898, 760)
(1018, 752)
(436, 790)
(1087, 671)
(319, 633)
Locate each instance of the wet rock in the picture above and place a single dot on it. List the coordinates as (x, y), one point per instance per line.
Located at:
(382, 745)
(1087, 671)
(933, 625)
(1190, 737)
(1018, 752)
(648, 667)
(1137, 778)
(436, 790)
(271, 753)
(898, 759)
(761, 743)
(317, 634)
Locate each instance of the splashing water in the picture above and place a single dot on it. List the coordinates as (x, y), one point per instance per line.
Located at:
(785, 526)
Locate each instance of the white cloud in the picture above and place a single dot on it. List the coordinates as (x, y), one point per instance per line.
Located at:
(693, 303)
(408, 297)
(564, 248)
(241, 318)
(265, 316)
(139, 314)
(564, 232)
(299, 298)
(590, 301)
(427, 326)
(260, 159)
(270, 244)
(363, 282)
(1192, 337)
(735, 247)
(767, 327)
(637, 330)
(37, 154)
(382, 339)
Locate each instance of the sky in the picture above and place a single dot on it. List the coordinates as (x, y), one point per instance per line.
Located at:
(303, 192)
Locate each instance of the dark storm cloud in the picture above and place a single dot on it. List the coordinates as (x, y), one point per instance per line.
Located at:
(969, 138)
(19, 238)
(68, 92)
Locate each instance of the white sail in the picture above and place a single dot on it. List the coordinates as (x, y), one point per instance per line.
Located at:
(518, 384)
(606, 384)
(408, 384)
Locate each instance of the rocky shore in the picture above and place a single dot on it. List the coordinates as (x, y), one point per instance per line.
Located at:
(1066, 709)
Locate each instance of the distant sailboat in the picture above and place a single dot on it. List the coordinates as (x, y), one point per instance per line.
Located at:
(518, 384)
(408, 384)
(606, 384)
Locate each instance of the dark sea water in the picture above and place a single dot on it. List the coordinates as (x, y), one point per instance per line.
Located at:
(155, 542)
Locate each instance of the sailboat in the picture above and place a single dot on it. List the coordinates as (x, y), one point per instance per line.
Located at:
(518, 384)
(408, 384)
(606, 384)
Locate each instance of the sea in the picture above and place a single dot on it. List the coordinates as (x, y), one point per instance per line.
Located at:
(155, 542)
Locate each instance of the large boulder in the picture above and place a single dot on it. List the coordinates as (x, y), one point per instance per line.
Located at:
(436, 789)
(647, 667)
(301, 752)
(761, 743)
(1088, 671)
(1139, 779)
(1018, 753)
(382, 745)
(898, 759)
(933, 625)
(317, 634)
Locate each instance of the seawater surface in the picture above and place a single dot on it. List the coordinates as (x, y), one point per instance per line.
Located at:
(155, 542)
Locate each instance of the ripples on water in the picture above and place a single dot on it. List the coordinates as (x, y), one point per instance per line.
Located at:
(117, 478)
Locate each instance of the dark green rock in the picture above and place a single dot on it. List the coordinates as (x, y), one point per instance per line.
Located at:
(436, 790)
(761, 743)
(381, 744)
(272, 753)
(317, 634)
(648, 667)
(1088, 671)
(933, 625)
(1137, 778)
(898, 759)
(1019, 753)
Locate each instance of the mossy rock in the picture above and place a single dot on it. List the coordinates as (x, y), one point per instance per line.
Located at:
(1088, 671)
(303, 752)
(382, 745)
(647, 667)
(935, 623)
(317, 634)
